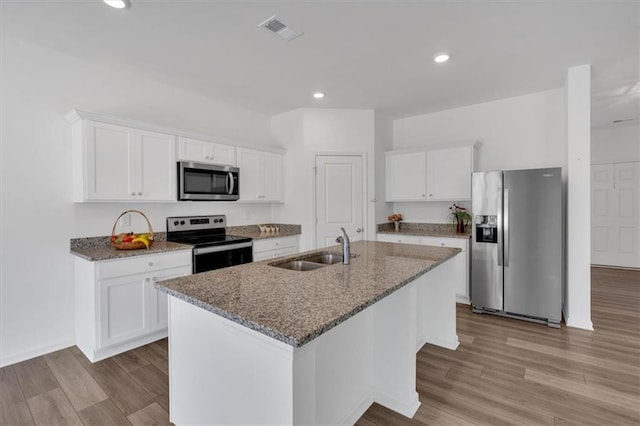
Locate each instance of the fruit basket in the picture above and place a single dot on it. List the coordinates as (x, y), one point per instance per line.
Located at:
(131, 240)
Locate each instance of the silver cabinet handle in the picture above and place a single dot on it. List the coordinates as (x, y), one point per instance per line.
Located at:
(139, 193)
(133, 193)
(424, 196)
(150, 263)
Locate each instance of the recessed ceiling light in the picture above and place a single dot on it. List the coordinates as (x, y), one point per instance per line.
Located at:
(318, 95)
(441, 57)
(118, 4)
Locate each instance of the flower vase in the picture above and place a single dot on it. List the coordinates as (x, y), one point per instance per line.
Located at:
(396, 225)
(460, 227)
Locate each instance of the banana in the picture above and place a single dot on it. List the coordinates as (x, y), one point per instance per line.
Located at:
(142, 240)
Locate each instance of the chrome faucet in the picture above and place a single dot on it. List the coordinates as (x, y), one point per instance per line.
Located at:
(346, 247)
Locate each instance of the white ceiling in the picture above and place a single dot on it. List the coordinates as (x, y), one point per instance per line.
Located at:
(363, 54)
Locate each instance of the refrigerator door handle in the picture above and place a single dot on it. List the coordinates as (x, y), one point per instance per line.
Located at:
(500, 227)
(505, 242)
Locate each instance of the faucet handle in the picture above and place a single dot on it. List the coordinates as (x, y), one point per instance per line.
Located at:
(339, 240)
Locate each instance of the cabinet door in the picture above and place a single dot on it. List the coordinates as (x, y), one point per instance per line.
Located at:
(399, 238)
(250, 163)
(461, 261)
(222, 154)
(205, 152)
(273, 179)
(156, 167)
(158, 308)
(406, 178)
(122, 311)
(449, 174)
(192, 150)
(109, 168)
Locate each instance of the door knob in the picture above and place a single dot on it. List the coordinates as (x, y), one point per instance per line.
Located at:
(359, 230)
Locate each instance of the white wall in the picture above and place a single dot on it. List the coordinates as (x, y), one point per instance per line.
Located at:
(383, 141)
(615, 144)
(577, 307)
(37, 220)
(311, 131)
(518, 133)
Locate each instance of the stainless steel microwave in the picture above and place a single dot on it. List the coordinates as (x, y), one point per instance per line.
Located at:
(207, 182)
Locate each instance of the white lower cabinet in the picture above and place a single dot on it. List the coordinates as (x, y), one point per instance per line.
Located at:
(270, 248)
(461, 261)
(117, 306)
(399, 238)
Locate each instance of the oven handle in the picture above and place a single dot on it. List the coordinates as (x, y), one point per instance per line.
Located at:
(230, 183)
(216, 249)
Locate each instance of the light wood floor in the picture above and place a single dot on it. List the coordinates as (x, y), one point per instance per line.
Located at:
(504, 372)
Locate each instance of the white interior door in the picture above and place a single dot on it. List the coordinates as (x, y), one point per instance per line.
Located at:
(339, 198)
(615, 214)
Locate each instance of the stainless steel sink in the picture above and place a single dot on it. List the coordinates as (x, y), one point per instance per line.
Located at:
(325, 258)
(310, 262)
(299, 265)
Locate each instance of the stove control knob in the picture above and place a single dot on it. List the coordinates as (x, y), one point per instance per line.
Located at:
(182, 222)
(175, 223)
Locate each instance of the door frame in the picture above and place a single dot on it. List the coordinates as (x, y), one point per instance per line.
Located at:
(365, 188)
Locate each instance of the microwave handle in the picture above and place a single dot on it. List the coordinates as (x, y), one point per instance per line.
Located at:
(230, 184)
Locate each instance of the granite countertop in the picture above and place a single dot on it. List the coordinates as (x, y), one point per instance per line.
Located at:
(99, 248)
(253, 231)
(423, 230)
(295, 307)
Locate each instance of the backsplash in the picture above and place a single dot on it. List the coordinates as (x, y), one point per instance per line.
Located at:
(427, 212)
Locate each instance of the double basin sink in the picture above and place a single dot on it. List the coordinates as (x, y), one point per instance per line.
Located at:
(310, 262)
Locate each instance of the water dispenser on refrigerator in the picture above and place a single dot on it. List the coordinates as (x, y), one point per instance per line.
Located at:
(486, 229)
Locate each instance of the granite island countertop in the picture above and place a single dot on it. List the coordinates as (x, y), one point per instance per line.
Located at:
(295, 307)
(423, 230)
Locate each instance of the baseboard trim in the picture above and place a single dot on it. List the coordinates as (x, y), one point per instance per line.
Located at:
(622, 268)
(14, 359)
(584, 324)
(406, 408)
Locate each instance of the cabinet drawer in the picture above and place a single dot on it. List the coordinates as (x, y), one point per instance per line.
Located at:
(399, 238)
(142, 264)
(460, 243)
(274, 243)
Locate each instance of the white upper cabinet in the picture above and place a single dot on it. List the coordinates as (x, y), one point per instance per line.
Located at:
(441, 173)
(261, 175)
(449, 174)
(119, 163)
(406, 176)
(156, 167)
(205, 152)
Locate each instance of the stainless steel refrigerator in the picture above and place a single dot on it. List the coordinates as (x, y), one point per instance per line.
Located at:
(517, 244)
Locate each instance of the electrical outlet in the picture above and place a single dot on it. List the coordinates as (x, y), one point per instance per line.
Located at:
(126, 220)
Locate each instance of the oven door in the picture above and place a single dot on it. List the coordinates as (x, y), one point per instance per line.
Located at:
(216, 257)
(207, 182)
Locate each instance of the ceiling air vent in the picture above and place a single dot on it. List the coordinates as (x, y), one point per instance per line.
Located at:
(274, 25)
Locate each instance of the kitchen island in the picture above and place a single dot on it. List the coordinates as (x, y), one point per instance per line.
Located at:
(260, 344)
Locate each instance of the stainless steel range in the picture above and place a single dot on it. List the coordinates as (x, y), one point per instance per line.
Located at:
(212, 247)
